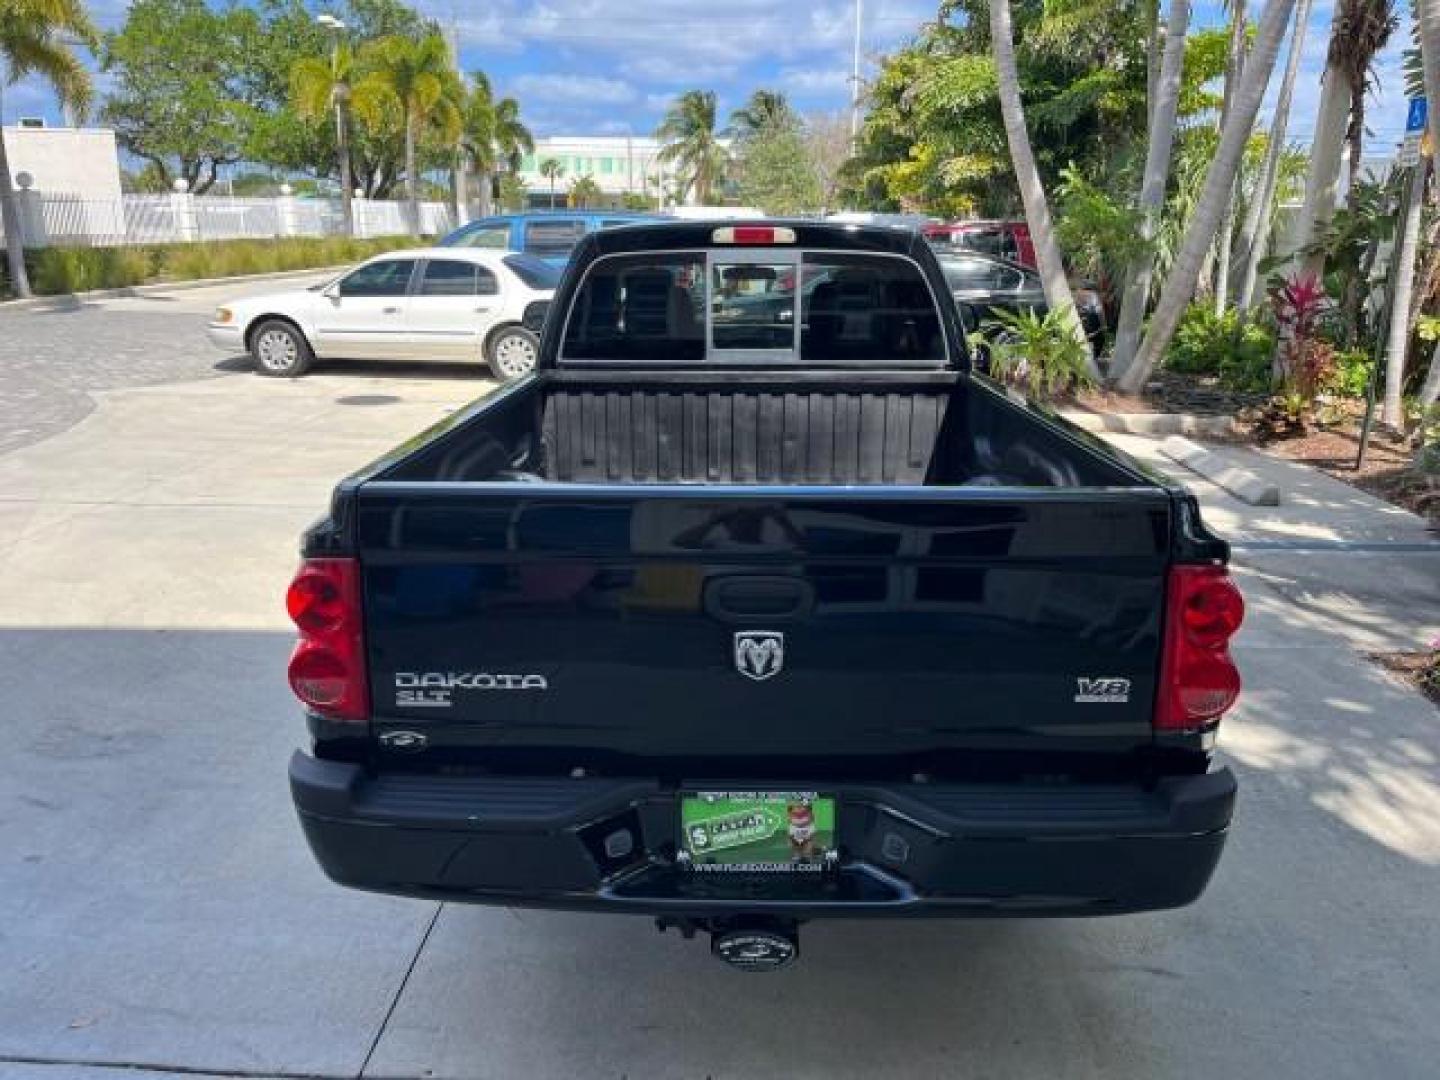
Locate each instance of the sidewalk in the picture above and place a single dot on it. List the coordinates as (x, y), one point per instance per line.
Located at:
(1329, 558)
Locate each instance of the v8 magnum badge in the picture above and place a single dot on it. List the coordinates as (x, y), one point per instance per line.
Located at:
(1102, 691)
(759, 654)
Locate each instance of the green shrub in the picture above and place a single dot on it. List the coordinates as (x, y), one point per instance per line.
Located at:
(56, 271)
(66, 270)
(1038, 352)
(1352, 373)
(1210, 344)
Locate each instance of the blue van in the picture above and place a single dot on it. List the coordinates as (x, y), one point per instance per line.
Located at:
(551, 235)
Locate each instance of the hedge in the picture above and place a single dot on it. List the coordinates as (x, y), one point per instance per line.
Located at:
(55, 271)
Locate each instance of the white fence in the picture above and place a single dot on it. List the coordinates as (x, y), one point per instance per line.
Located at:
(54, 220)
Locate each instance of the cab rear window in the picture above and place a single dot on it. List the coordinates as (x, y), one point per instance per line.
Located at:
(738, 307)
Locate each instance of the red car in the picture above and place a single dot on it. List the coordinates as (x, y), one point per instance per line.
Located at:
(1007, 239)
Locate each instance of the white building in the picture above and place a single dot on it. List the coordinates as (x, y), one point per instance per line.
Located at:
(79, 162)
(620, 164)
(68, 180)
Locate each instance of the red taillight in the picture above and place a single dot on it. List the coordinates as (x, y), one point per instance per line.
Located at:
(327, 669)
(1198, 679)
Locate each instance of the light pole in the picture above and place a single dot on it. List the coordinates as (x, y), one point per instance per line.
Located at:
(855, 84)
(340, 94)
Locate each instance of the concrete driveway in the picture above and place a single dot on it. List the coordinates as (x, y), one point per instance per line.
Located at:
(161, 913)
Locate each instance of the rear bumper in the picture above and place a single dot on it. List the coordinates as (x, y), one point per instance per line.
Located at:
(908, 850)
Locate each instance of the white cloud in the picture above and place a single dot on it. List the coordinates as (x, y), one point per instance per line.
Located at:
(589, 90)
(815, 82)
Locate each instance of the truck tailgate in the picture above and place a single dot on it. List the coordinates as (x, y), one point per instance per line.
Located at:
(761, 633)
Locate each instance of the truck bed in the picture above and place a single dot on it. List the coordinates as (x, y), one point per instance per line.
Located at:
(939, 429)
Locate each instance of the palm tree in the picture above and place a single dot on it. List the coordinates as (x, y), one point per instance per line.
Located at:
(552, 170)
(322, 86)
(35, 39)
(1219, 178)
(1234, 68)
(1165, 101)
(583, 192)
(1368, 25)
(492, 133)
(416, 77)
(1027, 177)
(1255, 232)
(765, 109)
(1346, 55)
(692, 143)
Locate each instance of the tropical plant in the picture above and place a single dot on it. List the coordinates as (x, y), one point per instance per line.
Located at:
(415, 77)
(1347, 248)
(552, 170)
(1164, 101)
(36, 39)
(1236, 352)
(1180, 283)
(1038, 352)
(765, 109)
(1032, 193)
(1234, 66)
(320, 87)
(1307, 360)
(1362, 34)
(1255, 232)
(584, 191)
(692, 144)
(492, 134)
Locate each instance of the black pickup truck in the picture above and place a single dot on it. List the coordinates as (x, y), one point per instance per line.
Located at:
(753, 605)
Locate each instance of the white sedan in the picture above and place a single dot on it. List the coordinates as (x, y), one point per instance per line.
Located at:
(462, 304)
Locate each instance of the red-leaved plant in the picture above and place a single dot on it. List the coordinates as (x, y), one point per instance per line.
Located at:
(1307, 361)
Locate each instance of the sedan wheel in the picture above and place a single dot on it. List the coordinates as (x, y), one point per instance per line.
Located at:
(280, 350)
(513, 352)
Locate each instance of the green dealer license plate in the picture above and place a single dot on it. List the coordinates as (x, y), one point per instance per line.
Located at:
(758, 831)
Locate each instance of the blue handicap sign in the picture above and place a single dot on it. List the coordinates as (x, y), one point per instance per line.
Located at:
(1416, 120)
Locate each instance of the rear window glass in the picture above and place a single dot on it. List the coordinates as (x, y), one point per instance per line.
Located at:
(641, 308)
(739, 308)
(553, 239)
(534, 272)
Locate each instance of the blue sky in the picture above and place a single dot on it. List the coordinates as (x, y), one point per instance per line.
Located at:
(582, 67)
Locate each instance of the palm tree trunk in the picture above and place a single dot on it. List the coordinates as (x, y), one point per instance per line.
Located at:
(1408, 239)
(412, 182)
(1027, 176)
(459, 169)
(1255, 233)
(1180, 284)
(1234, 70)
(342, 147)
(1161, 140)
(10, 216)
(1331, 121)
(1430, 392)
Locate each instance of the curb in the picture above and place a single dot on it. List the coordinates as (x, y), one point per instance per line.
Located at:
(70, 301)
(1151, 423)
(1242, 483)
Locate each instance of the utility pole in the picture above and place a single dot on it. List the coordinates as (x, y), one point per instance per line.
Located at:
(855, 83)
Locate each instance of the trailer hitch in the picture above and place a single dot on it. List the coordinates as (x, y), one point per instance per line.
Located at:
(746, 942)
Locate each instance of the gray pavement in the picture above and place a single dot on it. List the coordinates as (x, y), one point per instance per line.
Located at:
(161, 914)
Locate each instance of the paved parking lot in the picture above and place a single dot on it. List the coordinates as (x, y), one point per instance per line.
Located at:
(161, 914)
